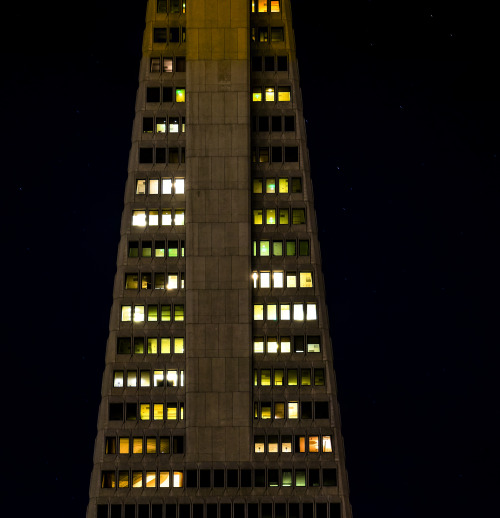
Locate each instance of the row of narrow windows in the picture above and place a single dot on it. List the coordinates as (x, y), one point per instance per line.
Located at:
(275, 154)
(311, 443)
(272, 93)
(291, 410)
(152, 313)
(146, 411)
(279, 377)
(150, 345)
(157, 281)
(282, 186)
(267, 34)
(148, 378)
(269, 63)
(287, 344)
(155, 217)
(156, 94)
(296, 311)
(153, 186)
(162, 123)
(144, 445)
(282, 279)
(164, 155)
(274, 123)
(222, 510)
(266, 6)
(145, 248)
(169, 34)
(192, 478)
(283, 216)
(279, 248)
(172, 6)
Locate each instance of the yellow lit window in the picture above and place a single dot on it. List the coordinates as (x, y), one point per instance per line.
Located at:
(164, 478)
(259, 444)
(161, 124)
(278, 377)
(180, 95)
(253, 6)
(139, 218)
(118, 379)
(258, 345)
(257, 217)
(283, 216)
(285, 344)
(305, 377)
(327, 443)
(306, 280)
(123, 479)
(131, 379)
(136, 478)
(257, 186)
(179, 312)
(272, 345)
(258, 312)
(265, 377)
(298, 312)
(279, 410)
(145, 409)
(158, 411)
(138, 313)
(262, 6)
(181, 411)
(153, 217)
(313, 444)
(179, 217)
(124, 445)
(272, 312)
(158, 378)
(140, 187)
(145, 378)
(165, 313)
(265, 412)
(284, 93)
(292, 377)
(271, 216)
(293, 410)
(275, 6)
(154, 184)
(178, 345)
(165, 345)
(286, 444)
(152, 345)
(150, 444)
(166, 217)
(152, 313)
(171, 411)
(257, 94)
(311, 312)
(137, 445)
(270, 93)
(178, 478)
(291, 280)
(283, 185)
(150, 478)
(285, 311)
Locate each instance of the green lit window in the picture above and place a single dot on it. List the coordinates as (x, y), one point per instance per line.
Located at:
(165, 313)
(270, 216)
(291, 248)
(277, 248)
(270, 186)
(180, 95)
(153, 313)
(264, 248)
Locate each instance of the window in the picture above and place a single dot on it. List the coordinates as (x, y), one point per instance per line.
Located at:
(282, 61)
(174, 35)
(276, 154)
(289, 123)
(284, 93)
(147, 125)
(293, 410)
(168, 65)
(263, 34)
(298, 216)
(291, 154)
(153, 94)
(306, 280)
(146, 155)
(269, 93)
(180, 95)
(257, 94)
(160, 35)
(275, 6)
(319, 377)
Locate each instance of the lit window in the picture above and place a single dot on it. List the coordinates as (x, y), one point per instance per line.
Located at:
(179, 217)
(137, 445)
(265, 410)
(165, 345)
(168, 65)
(259, 446)
(291, 376)
(180, 95)
(305, 377)
(139, 218)
(257, 217)
(145, 378)
(286, 444)
(265, 377)
(146, 248)
(171, 411)
(150, 478)
(285, 344)
(145, 411)
(272, 312)
(161, 124)
(263, 35)
(278, 377)
(179, 312)
(272, 344)
(291, 248)
(153, 186)
(173, 124)
(313, 344)
(172, 281)
(265, 279)
(158, 378)
(298, 216)
(270, 216)
(179, 186)
(166, 185)
(306, 280)
(131, 379)
(279, 410)
(153, 219)
(269, 93)
(166, 217)
(283, 185)
(152, 345)
(258, 312)
(164, 478)
(262, 4)
(136, 478)
(108, 479)
(277, 248)
(257, 94)
(293, 410)
(158, 411)
(284, 311)
(311, 312)
(275, 6)
(291, 280)
(154, 65)
(138, 313)
(283, 216)
(172, 378)
(126, 313)
(118, 379)
(298, 312)
(165, 313)
(264, 247)
(146, 281)
(124, 445)
(178, 345)
(284, 93)
(278, 279)
(133, 249)
(270, 185)
(140, 187)
(313, 443)
(131, 281)
(327, 443)
(178, 478)
(258, 344)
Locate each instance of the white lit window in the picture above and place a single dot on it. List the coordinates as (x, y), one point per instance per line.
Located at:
(153, 217)
(272, 345)
(327, 443)
(178, 478)
(298, 312)
(272, 312)
(150, 478)
(293, 410)
(278, 279)
(145, 378)
(179, 217)
(311, 312)
(284, 311)
(166, 187)
(118, 379)
(131, 379)
(161, 124)
(285, 344)
(168, 65)
(166, 217)
(139, 218)
(258, 344)
(138, 313)
(126, 313)
(258, 312)
(140, 187)
(153, 186)
(173, 124)
(265, 279)
(172, 281)
(179, 186)
(172, 379)
(158, 378)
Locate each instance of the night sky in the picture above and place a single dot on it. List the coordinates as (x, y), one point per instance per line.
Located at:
(402, 108)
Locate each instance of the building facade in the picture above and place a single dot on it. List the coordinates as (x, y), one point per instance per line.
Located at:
(219, 395)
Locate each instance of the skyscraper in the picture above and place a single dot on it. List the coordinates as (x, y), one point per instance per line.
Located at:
(218, 396)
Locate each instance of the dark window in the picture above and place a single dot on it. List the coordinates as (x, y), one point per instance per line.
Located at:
(178, 444)
(246, 478)
(307, 509)
(291, 247)
(298, 216)
(321, 410)
(191, 478)
(198, 511)
(211, 511)
(154, 65)
(161, 6)
(253, 510)
(171, 510)
(269, 64)
(232, 478)
(204, 478)
(257, 64)
(167, 94)
(147, 247)
(298, 344)
(282, 63)
(289, 123)
(116, 511)
(291, 154)
(225, 510)
(146, 155)
(218, 478)
(156, 511)
(321, 509)
(239, 510)
(296, 185)
(110, 445)
(143, 511)
(147, 124)
(276, 154)
(277, 34)
(260, 478)
(131, 411)
(303, 247)
(276, 123)
(314, 478)
(160, 35)
(273, 478)
(116, 411)
(175, 6)
(264, 123)
(293, 510)
(108, 480)
(124, 345)
(306, 410)
(330, 477)
(102, 511)
(267, 510)
(161, 155)
(280, 510)
(173, 155)
(174, 35)
(180, 64)
(153, 94)
(133, 249)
